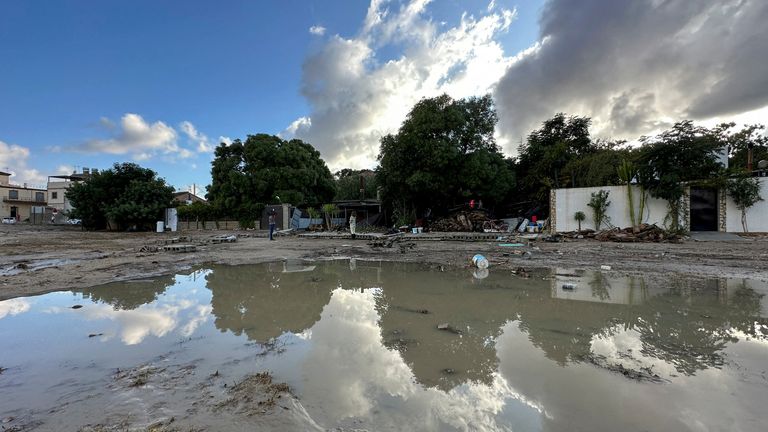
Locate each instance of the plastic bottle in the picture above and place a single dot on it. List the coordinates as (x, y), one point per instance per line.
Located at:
(480, 261)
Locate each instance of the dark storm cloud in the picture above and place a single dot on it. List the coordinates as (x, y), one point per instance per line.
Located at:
(635, 65)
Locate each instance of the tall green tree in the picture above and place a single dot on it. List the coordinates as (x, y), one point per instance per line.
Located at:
(267, 169)
(558, 155)
(443, 153)
(124, 196)
(745, 192)
(683, 153)
(739, 143)
(349, 182)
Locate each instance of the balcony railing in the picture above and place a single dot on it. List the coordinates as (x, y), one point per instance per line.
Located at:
(30, 200)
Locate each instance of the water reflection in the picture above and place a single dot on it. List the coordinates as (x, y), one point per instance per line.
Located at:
(265, 301)
(348, 373)
(13, 307)
(129, 295)
(136, 311)
(686, 324)
(407, 347)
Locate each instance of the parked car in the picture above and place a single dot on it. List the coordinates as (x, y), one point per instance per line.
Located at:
(75, 222)
(9, 220)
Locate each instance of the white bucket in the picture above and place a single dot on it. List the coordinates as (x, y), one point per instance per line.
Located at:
(415, 230)
(160, 226)
(480, 261)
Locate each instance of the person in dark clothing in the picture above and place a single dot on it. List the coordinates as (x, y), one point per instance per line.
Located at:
(271, 224)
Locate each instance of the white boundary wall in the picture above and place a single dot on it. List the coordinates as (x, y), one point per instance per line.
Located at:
(757, 215)
(569, 201)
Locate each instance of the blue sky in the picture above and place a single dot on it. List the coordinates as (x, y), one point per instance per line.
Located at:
(90, 83)
(72, 69)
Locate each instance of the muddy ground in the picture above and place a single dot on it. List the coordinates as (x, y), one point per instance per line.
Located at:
(36, 259)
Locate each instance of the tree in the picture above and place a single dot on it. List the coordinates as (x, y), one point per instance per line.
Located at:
(443, 153)
(197, 210)
(745, 192)
(330, 211)
(739, 143)
(599, 204)
(349, 182)
(579, 216)
(681, 154)
(553, 156)
(125, 196)
(628, 172)
(267, 169)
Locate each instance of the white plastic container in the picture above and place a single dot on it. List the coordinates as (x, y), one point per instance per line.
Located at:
(480, 261)
(160, 226)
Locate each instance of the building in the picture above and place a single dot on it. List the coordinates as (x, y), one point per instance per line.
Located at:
(20, 202)
(187, 197)
(57, 190)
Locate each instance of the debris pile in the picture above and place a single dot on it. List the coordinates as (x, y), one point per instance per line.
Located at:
(643, 233)
(463, 221)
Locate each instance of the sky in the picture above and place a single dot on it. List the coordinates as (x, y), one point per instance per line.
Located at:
(91, 83)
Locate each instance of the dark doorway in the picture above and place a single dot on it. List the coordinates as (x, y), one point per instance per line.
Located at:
(703, 209)
(14, 212)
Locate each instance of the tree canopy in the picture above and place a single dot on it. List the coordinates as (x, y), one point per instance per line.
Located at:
(122, 197)
(560, 154)
(683, 153)
(267, 169)
(349, 183)
(444, 153)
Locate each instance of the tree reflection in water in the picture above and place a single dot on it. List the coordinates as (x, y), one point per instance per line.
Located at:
(685, 323)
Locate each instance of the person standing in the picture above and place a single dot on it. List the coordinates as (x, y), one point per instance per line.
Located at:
(353, 223)
(271, 224)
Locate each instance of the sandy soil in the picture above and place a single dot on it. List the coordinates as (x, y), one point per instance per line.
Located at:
(36, 259)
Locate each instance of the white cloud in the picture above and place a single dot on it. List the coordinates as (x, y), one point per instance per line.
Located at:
(65, 169)
(14, 159)
(225, 140)
(356, 97)
(317, 30)
(107, 123)
(138, 138)
(300, 125)
(203, 145)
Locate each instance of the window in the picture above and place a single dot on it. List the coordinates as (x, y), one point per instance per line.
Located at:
(54, 195)
(39, 196)
(13, 194)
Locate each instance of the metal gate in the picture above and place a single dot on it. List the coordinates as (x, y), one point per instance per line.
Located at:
(703, 209)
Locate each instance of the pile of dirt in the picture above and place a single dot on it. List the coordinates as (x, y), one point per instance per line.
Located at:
(256, 394)
(463, 221)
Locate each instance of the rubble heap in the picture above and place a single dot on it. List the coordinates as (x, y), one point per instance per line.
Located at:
(462, 221)
(643, 233)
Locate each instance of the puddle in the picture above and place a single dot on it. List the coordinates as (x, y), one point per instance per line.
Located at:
(385, 346)
(23, 265)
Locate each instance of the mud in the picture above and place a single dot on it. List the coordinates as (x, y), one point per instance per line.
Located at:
(36, 260)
